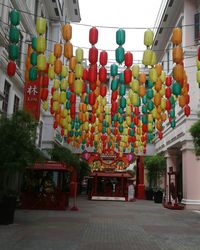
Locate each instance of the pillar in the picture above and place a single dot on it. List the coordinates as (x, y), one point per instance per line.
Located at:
(141, 187)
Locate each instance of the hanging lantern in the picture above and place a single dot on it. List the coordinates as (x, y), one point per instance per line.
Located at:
(51, 73)
(177, 54)
(114, 95)
(85, 74)
(78, 70)
(14, 17)
(92, 98)
(127, 76)
(40, 44)
(168, 92)
(33, 58)
(153, 76)
(78, 85)
(103, 74)
(13, 51)
(57, 50)
(58, 66)
(114, 84)
(147, 57)
(142, 77)
(187, 110)
(11, 68)
(93, 55)
(14, 34)
(122, 89)
(178, 72)
(119, 54)
(33, 73)
(176, 88)
(114, 70)
(67, 32)
(41, 62)
(40, 25)
(128, 57)
(92, 73)
(148, 37)
(68, 50)
(176, 36)
(120, 36)
(153, 59)
(44, 94)
(103, 90)
(103, 58)
(168, 81)
(64, 71)
(79, 55)
(72, 63)
(93, 35)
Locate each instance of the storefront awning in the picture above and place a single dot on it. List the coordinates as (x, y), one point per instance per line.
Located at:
(111, 174)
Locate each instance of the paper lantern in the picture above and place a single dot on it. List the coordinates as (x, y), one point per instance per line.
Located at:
(41, 44)
(168, 92)
(122, 102)
(168, 81)
(128, 57)
(64, 71)
(153, 59)
(93, 55)
(114, 84)
(176, 36)
(57, 50)
(178, 72)
(85, 74)
(177, 54)
(11, 68)
(114, 70)
(41, 62)
(103, 74)
(58, 66)
(33, 73)
(92, 98)
(14, 17)
(14, 34)
(122, 90)
(120, 36)
(72, 98)
(103, 90)
(40, 25)
(51, 73)
(119, 54)
(153, 76)
(67, 32)
(103, 58)
(147, 57)
(33, 58)
(44, 94)
(142, 90)
(78, 70)
(68, 50)
(148, 37)
(149, 93)
(114, 95)
(142, 77)
(135, 85)
(187, 110)
(92, 73)
(93, 35)
(176, 88)
(13, 50)
(79, 55)
(127, 76)
(72, 63)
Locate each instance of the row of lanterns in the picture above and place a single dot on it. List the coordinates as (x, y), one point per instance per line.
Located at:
(140, 104)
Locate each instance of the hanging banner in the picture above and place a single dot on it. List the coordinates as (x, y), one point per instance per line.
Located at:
(32, 98)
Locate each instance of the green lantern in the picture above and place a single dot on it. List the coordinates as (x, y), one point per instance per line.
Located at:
(132, 133)
(68, 94)
(120, 36)
(176, 88)
(113, 69)
(13, 51)
(144, 119)
(14, 17)
(33, 58)
(144, 109)
(104, 130)
(173, 123)
(122, 102)
(150, 84)
(121, 110)
(120, 119)
(114, 84)
(71, 133)
(172, 113)
(122, 89)
(150, 93)
(121, 77)
(33, 73)
(68, 105)
(119, 55)
(132, 125)
(34, 42)
(14, 34)
(121, 128)
(86, 101)
(115, 118)
(144, 99)
(150, 105)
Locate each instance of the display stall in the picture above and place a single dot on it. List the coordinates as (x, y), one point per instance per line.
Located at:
(46, 186)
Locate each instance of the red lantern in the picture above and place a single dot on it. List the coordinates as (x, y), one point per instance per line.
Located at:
(45, 81)
(114, 95)
(44, 94)
(144, 128)
(46, 68)
(160, 135)
(92, 120)
(93, 86)
(11, 68)
(187, 99)
(93, 35)
(168, 92)
(136, 111)
(84, 87)
(93, 55)
(103, 58)
(85, 75)
(114, 107)
(187, 110)
(136, 120)
(199, 53)
(128, 58)
(168, 81)
(92, 73)
(55, 125)
(127, 76)
(52, 90)
(91, 98)
(73, 98)
(103, 90)
(168, 105)
(103, 74)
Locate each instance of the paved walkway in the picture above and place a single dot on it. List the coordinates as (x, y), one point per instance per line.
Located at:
(103, 225)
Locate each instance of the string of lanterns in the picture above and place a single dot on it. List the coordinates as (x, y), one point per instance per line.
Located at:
(140, 101)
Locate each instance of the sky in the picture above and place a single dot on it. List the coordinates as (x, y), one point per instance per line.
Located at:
(119, 14)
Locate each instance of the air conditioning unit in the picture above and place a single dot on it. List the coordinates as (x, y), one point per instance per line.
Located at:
(197, 27)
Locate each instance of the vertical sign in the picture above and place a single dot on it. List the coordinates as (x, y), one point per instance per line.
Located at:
(32, 98)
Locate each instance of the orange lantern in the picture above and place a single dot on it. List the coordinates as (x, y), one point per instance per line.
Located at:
(72, 63)
(177, 54)
(178, 72)
(177, 36)
(67, 32)
(142, 78)
(58, 66)
(68, 50)
(57, 50)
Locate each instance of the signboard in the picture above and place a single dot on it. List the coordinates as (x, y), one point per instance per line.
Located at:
(32, 98)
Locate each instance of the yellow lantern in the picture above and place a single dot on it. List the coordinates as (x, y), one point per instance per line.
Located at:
(45, 105)
(147, 57)
(52, 58)
(78, 86)
(150, 127)
(40, 44)
(148, 37)
(56, 95)
(41, 62)
(72, 63)
(135, 70)
(135, 85)
(51, 73)
(55, 106)
(64, 84)
(128, 120)
(150, 118)
(153, 59)
(153, 76)
(40, 25)
(62, 97)
(64, 71)
(163, 104)
(78, 70)
(163, 76)
(79, 55)
(162, 91)
(56, 84)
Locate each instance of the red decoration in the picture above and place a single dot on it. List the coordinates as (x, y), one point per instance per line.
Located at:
(93, 55)
(84, 87)
(103, 90)
(85, 75)
(199, 53)
(127, 76)
(72, 98)
(168, 105)
(187, 99)
(103, 74)
(136, 111)
(114, 107)
(114, 95)
(45, 81)
(93, 86)
(93, 35)
(168, 92)
(11, 68)
(103, 58)
(92, 73)
(128, 58)
(187, 110)
(168, 81)
(44, 94)
(91, 98)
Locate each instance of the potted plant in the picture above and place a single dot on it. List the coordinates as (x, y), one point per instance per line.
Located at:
(155, 166)
(17, 151)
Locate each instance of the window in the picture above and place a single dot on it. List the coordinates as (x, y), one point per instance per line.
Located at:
(16, 104)
(76, 12)
(40, 134)
(74, 1)
(6, 97)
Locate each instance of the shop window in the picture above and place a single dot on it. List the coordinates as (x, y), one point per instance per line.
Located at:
(16, 104)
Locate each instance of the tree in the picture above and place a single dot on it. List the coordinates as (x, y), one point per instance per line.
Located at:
(156, 166)
(17, 147)
(195, 132)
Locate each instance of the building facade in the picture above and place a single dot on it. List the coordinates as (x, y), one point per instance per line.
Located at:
(177, 143)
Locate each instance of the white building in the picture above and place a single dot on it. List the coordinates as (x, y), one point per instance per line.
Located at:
(177, 143)
(56, 13)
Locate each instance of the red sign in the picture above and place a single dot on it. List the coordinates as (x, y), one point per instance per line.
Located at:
(32, 98)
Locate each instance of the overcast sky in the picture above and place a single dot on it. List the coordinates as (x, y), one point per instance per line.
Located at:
(115, 13)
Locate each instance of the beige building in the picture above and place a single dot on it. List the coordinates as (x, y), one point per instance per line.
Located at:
(177, 143)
